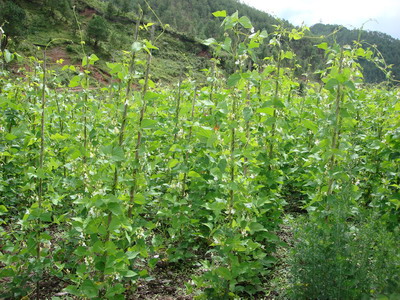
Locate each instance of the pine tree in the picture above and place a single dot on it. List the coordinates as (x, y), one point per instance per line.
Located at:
(97, 30)
(111, 10)
(12, 20)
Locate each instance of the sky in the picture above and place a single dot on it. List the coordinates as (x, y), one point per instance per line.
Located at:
(382, 15)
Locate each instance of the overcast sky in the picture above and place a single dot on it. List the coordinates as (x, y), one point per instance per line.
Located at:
(382, 15)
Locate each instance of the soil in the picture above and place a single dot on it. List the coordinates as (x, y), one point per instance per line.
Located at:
(279, 283)
(205, 54)
(58, 53)
(167, 284)
(88, 12)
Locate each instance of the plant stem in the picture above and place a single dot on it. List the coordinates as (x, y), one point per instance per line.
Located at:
(41, 159)
(178, 104)
(247, 128)
(232, 158)
(337, 127)
(212, 86)
(188, 141)
(136, 167)
(128, 93)
(276, 94)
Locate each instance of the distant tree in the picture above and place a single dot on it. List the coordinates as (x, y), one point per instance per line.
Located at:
(126, 6)
(63, 7)
(12, 19)
(118, 3)
(97, 30)
(111, 10)
(386, 45)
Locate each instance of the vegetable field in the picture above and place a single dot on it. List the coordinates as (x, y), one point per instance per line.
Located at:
(103, 184)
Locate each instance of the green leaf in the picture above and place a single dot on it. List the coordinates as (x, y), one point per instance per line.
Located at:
(117, 153)
(204, 133)
(89, 289)
(148, 124)
(227, 45)
(149, 96)
(75, 81)
(84, 61)
(323, 46)
(223, 107)
(6, 272)
(130, 273)
(350, 85)
(288, 54)
(45, 216)
(310, 125)
(245, 22)
(3, 209)
(266, 110)
(114, 67)
(80, 251)
(210, 41)
(296, 35)
(114, 290)
(253, 44)
(247, 113)
(220, 14)
(264, 34)
(332, 83)
(73, 290)
(277, 103)
(254, 227)
(149, 45)
(74, 154)
(233, 79)
(360, 52)
(98, 247)
(224, 272)
(194, 174)
(93, 58)
(10, 137)
(111, 248)
(140, 199)
(115, 208)
(116, 223)
(58, 137)
(131, 254)
(8, 57)
(136, 47)
(172, 163)
(207, 102)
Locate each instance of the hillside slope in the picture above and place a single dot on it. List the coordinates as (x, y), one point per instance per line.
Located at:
(189, 21)
(385, 44)
(195, 17)
(65, 29)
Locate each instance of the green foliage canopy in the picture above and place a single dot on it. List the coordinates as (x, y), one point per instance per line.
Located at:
(97, 30)
(12, 19)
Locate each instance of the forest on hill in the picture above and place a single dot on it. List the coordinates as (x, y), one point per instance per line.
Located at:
(195, 17)
(192, 20)
(140, 162)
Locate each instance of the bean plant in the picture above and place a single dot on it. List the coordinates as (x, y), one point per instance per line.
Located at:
(102, 183)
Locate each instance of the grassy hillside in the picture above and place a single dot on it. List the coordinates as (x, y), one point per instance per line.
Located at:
(178, 50)
(183, 24)
(384, 44)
